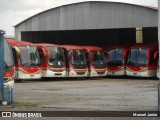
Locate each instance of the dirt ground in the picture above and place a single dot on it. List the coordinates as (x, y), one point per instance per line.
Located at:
(105, 94)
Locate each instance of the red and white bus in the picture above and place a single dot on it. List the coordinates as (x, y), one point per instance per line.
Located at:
(116, 60)
(142, 61)
(52, 60)
(26, 59)
(96, 61)
(9, 68)
(75, 61)
(158, 67)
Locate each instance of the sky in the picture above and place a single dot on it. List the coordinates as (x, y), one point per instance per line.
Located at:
(13, 12)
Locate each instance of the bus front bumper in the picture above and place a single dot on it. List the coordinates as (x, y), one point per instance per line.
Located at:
(145, 73)
(73, 73)
(22, 75)
(50, 73)
(94, 73)
(116, 72)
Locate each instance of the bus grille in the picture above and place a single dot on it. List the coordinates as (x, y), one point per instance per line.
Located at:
(101, 72)
(99, 66)
(80, 73)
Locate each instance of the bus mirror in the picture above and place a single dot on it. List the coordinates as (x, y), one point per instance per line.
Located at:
(155, 54)
(92, 56)
(105, 54)
(147, 54)
(124, 54)
(86, 54)
(70, 55)
(18, 52)
(48, 53)
(108, 56)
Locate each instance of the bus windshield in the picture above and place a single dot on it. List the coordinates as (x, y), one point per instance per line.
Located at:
(30, 56)
(56, 57)
(98, 58)
(79, 59)
(8, 60)
(115, 57)
(138, 57)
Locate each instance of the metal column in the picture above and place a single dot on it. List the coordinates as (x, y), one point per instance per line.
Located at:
(1, 63)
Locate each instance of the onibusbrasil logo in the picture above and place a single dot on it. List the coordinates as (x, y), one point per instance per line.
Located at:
(21, 114)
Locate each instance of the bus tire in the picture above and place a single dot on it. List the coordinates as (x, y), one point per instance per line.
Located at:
(18, 80)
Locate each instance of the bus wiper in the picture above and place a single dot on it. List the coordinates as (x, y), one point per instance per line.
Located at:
(117, 61)
(38, 64)
(6, 65)
(131, 63)
(26, 63)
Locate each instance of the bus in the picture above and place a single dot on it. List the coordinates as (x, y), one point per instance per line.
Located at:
(142, 61)
(75, 61)
(96, 61)
(116, 58)
(9, 68)
(26, 59)
(52, 60)
(158, 67)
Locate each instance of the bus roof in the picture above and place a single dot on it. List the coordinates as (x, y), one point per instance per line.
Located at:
(91, 48)
(151, 46)
(68, 47)
(126, 47)
(46, 45)
(14, 42)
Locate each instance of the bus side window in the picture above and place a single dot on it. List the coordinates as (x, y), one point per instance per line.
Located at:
(41, 55)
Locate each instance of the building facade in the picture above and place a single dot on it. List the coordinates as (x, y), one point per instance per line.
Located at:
(91, 23)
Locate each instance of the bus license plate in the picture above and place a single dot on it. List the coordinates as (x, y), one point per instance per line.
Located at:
(134, 73)
(58, 73)
(113, 73)
(31, 75)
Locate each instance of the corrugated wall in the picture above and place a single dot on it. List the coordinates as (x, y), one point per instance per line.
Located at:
(90, 15)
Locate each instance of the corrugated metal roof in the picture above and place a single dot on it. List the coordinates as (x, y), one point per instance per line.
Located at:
(150, 7)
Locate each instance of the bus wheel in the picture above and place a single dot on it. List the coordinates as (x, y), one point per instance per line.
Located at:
(46, 78)
(67, 78)
(88, 78)
(18, 80)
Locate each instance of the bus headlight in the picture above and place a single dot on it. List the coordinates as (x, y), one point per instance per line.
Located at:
(21, 73)
(11, 78)
(7, 81)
